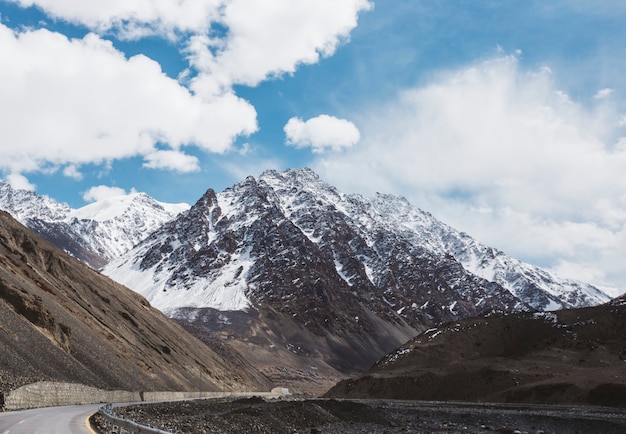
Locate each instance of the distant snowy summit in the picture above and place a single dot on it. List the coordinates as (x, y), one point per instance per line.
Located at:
(291, 241)
(95, 233)
(25, 205)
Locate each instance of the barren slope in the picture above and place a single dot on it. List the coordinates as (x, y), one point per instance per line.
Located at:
(570, 356)
(61, 320)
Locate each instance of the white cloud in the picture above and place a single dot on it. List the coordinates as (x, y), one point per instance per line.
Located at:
(270, 37)
(100, 192)
(136, 18)
(321, 133)
(19, 182)
(604, 93)
(263, 38)
(505, 155)
(91, 104)
(72, 171)
(244, 149)
(172, 160)
(81, 101)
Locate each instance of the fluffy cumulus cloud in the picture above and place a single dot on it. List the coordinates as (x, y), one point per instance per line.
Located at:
(92, 104)
(270, 37)
(321, 133)
(72, 171)
(101, 192)
(74, 101)
(263, 38)
(504, 154)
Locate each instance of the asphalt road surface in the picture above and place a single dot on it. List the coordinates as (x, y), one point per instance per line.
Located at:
(50, 420)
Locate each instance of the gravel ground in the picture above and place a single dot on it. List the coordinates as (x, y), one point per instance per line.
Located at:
(254, 415)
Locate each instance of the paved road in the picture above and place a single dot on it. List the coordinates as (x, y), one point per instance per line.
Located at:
(50, 420)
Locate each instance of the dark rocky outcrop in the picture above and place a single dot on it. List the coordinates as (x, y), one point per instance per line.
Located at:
(570, 356)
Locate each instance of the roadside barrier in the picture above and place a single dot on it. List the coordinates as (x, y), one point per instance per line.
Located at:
(115, 424)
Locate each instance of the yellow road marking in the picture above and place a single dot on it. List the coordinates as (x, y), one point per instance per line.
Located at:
(88, 425)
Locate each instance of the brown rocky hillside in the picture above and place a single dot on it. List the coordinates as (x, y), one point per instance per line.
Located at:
(569, 356)
(60, 320)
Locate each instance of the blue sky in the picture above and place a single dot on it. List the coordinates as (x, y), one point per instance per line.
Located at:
(506, 119)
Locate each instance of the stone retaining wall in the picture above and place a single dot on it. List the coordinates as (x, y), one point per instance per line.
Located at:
(176, 396)
(50, 394)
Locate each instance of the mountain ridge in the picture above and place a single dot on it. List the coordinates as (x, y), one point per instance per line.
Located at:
(324, 213)
(573, 356)
(95, 233)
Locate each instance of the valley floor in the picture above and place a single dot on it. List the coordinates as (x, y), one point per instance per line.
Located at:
(255, 415)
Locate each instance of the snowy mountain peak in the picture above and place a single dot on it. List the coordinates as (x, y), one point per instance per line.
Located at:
(25, 205)
(300, 176)
(297, 178)
(123, 206)
(286, 237)
(95, 233)
(112, 226)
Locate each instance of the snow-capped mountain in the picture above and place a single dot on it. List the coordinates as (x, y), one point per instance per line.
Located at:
(290, 237)
(95, 233)
(535, 286)
(289, 266)
(112, 226)
(26, 205)
(218, 254)
(310, 277)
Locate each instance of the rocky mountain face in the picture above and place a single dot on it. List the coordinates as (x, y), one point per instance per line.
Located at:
(287, 262)
(63, 321)
(96, 233)
(26, 205)
(567, 356)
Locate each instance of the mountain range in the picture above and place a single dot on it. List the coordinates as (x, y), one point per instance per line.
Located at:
(309, 283)
(95, 233)
(217, 253)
